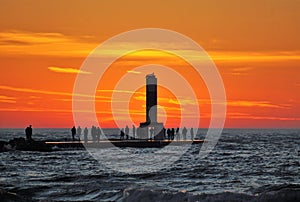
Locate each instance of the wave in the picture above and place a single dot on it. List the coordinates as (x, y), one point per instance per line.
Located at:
(271, 193)
(267, 193)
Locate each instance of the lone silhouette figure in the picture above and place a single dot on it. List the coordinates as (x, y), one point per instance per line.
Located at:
(98, 134)
(127, 132)
(151, 133)
(192, 134)
(172, 133)
(79, 132)
(122, 134)
(73, 130)
(169, 134)
(85, 135)
(28, 132)
(184, 132)
(133, 131)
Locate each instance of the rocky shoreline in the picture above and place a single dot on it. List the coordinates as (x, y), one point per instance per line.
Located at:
(24, 145)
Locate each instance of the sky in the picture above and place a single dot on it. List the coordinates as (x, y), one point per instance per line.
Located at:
(255, 46)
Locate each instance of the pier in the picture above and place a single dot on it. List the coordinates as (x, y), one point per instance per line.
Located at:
(123, 143)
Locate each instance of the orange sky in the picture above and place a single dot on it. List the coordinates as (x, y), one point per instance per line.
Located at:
(255, 46)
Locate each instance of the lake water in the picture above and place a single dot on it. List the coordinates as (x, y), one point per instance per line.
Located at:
(243, 161)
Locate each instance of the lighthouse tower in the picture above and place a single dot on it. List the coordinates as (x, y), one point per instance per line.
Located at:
(151, 98)
(151, 129)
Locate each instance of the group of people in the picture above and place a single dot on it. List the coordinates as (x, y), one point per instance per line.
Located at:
(125, 135)
(168, 134)
(171, 134)
(96, 133)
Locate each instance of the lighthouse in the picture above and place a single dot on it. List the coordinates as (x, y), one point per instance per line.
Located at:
(151, 98)
(151, 129)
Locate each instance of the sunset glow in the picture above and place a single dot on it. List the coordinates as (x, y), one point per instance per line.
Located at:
(255, 47)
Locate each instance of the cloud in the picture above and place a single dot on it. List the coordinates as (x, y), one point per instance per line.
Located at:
(226, 56)
(244, 103)
(120, 91)
(232, 103)
(7, 99)
(20, 37)
(240, 71)
(102, 100)
(45, 92)
(18, 42)
(34, 97)
(248, 116)
(67, 70)
(183, 101)
(29, 90)
(133, 72)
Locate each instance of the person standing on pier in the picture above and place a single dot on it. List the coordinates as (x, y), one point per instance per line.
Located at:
(184, 131)
(122, 134)
(73, 130)
(79, 132)
(138, 133)
(85, 135)
(127, 132)
(151, 133)
(133, 131)
(169, 134)
(172, 133)
(177, 134)
(94, 133)
(98, 134)
(192, 134)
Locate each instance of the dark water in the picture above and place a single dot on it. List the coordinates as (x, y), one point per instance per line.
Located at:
(244, 161)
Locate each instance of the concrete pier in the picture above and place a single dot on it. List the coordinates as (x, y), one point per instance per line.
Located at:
(123, 143)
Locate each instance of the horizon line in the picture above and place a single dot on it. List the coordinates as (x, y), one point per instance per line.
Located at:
(165, 127)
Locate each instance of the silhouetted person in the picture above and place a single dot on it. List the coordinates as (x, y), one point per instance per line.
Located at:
(198, 132)
(151, 132)
(192, 134)
(133, 131)
(122, 134)
(169, 134)
(98, 134)
(79, 132)
(164, 132)
(85, 135)
(73, 130)
(28, 132)
(127, 132)
(138, 133)
(184, 132)
(172, 133)
(177, 134)
(94, 133)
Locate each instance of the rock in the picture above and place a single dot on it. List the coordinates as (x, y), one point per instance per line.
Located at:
(23, 145)
(3, 146)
